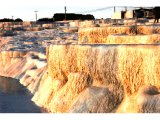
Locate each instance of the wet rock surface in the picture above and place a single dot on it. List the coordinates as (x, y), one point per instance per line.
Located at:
(37, 40)
(15, 98)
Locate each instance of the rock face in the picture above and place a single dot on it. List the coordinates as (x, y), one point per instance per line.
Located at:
(23, 66)
(146, 100)
(64, 98)
(89, 78)
(92, 78)
(148, 29)
(99, 34)
(23, 57)
(109, 74)
(94, 100)
(132, 39)
(120, 34)
(82, 24)
(107, 64)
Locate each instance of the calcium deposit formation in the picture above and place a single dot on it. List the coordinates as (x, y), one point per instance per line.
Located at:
(86, 67)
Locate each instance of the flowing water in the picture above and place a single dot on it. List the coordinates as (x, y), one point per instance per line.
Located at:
(15, 98)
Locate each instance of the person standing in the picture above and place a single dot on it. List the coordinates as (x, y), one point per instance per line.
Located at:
(156, 11)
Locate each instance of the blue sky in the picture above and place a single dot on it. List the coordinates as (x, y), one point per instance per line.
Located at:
(46, 8)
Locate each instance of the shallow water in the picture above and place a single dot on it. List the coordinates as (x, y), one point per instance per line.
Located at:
(15, 98)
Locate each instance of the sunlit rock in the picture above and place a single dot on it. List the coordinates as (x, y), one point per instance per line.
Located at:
(50, 86)
(103, 34)
(99, 35)
(94, 100)
(123, 69)
(63, 99)
(150, 29)
(138, 39)
(86, 78)
(146, 100)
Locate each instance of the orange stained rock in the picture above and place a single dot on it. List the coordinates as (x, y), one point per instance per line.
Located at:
(120, 34)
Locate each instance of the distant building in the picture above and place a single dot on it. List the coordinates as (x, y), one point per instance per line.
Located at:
(144, 13)
(72, 16)
(136, 13)
(117, 15)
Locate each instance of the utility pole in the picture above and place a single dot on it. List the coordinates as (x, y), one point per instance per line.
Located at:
(114, 9)
(12, 22)
(65, 9)
(125, 8)
(36, 14)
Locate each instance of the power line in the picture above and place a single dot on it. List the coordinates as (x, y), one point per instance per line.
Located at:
(95, 10)
(101, 9)
(105, 8)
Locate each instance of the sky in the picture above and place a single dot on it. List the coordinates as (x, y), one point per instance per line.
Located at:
(25, 9)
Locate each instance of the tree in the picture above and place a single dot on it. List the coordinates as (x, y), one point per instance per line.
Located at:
(18, 20)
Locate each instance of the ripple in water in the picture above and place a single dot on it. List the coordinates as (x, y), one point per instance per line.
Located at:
(15, 98)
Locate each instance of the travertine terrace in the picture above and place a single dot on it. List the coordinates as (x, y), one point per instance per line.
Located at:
(97, 70)
(120, 34)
